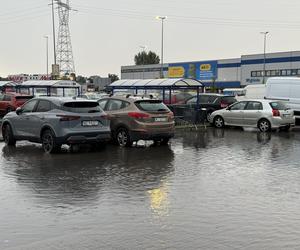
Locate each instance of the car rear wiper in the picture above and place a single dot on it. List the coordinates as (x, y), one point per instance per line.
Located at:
(162, 110)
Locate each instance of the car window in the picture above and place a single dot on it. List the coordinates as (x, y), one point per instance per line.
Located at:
(192, 100)
(82, 107)
(238, 106)
(254, 106)
(29, 106)
(212, 99)
(43, 106)
(102, 104)
(1, 97)
(278, 105)
(114, 105)
(151, 105)
(7, 98)
(228, 99)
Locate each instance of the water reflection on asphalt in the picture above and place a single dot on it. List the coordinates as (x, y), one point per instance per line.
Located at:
(214, 189)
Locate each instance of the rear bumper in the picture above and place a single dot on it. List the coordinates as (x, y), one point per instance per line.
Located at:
(145, 135)
(82, 138)
(278, 122)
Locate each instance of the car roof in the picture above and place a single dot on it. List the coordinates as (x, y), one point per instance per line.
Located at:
(127, 98)
(61, 100)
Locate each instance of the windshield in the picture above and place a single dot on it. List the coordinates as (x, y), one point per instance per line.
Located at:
(151, 105)
(278, 105)
(82, 107)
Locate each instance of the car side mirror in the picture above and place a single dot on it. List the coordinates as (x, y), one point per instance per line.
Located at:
(228, 108)
(18, 110)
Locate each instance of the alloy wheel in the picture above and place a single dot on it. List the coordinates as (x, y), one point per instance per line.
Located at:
(48, 142)
(219, 123)
(264, 126)
(122, 138)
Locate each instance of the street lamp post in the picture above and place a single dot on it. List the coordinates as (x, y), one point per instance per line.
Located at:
(265, 33)
(162, 18)
(143, 47)
(47, 49)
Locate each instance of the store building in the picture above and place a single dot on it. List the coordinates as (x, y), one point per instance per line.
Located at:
(223, 73)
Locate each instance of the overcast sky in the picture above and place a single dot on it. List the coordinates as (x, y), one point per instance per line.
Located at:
(107, 34)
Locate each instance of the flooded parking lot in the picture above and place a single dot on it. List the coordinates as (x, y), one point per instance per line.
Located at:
(214, 189)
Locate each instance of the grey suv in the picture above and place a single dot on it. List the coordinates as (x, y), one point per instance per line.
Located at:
(54, 121)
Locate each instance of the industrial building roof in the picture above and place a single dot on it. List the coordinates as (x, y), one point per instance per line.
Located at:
(167, 82)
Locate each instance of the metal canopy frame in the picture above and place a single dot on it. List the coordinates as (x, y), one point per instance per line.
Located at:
(165, 84)
(49, 85)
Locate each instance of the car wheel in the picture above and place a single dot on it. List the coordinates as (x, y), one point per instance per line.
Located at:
(8, 136)
(49, 142)
(264, 125)
(123, 138)
(219, 122)
(208, 115)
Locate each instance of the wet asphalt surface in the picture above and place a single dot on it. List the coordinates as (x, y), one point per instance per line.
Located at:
(213, 189)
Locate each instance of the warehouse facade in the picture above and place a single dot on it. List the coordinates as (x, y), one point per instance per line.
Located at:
(223, 73)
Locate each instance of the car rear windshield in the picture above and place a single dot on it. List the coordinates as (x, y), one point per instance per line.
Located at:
(82, 107)
(278, 105)
(228, 99)
(151, 105)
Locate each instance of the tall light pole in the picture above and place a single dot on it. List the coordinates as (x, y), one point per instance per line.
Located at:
(47, 49)
(143, 47)
(265, 33)
(162, 18)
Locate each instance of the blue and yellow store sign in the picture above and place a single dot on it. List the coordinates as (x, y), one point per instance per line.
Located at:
(206, 70)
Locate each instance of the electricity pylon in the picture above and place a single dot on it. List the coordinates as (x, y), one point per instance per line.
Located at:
(64, 47)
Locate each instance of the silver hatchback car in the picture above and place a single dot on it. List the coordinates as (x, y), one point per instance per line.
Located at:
(54, 121)
(263, 114)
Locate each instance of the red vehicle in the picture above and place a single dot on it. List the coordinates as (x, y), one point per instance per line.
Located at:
(10, 101)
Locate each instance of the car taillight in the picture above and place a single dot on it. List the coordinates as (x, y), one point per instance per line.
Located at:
(137, 115)
(276, 112)
(66, 118)
(171, 116)
(224, 104)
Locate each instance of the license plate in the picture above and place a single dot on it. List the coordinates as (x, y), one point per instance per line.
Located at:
(90, 123)
(160, 119)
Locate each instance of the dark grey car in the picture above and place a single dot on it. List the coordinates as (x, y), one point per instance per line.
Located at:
(54, 121)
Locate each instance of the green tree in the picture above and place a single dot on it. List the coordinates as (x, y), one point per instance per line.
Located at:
(113, 77)
(145, 58)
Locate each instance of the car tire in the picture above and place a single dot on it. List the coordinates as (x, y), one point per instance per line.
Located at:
(264, 125)
(49, 142)
(8, 136)
(218, 122)
(208, 115)
(123, 138)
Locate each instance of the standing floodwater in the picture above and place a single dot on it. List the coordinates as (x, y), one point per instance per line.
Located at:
(219, 189)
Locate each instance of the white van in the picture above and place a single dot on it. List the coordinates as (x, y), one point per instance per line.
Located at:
(256, 91)
(286, 89)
